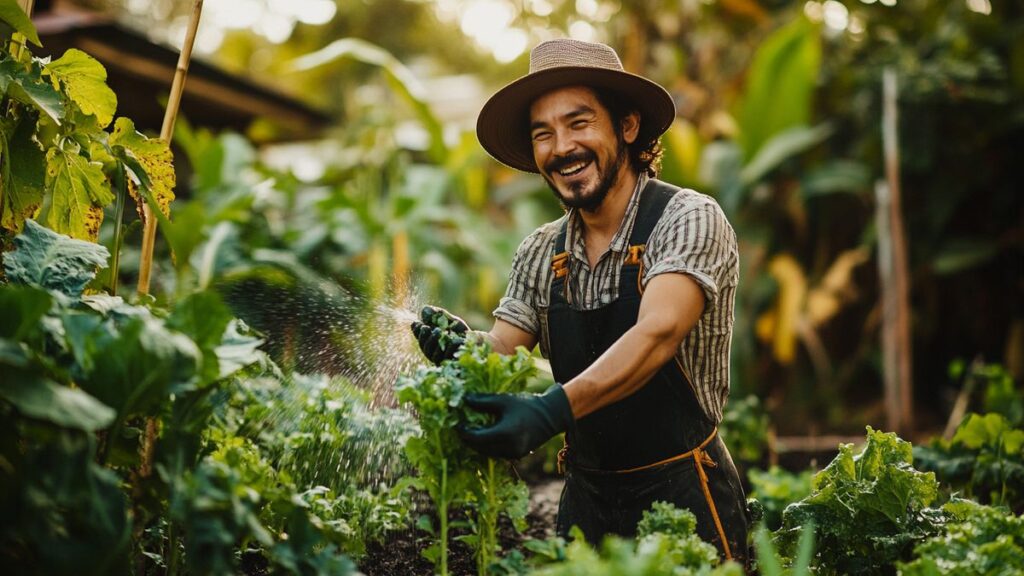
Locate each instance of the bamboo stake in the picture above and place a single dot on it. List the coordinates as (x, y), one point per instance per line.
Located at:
(166, 132)
(148, 238)
(893, 271)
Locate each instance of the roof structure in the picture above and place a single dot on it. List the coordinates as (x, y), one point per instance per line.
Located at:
(141, 72)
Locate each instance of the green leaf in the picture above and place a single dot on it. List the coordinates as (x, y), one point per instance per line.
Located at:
(37, 397)
(978, 431)
(780, 84)
(155, 163)
(23, 307)
(130, 361)
(84, 80)
(400, 78)
(203, 317)
(238, 349)
(781, 147)
(23, 188)
(80, 192)
(29, 87)
(11, 13)
(836, 176)
(960, 254)
(53, 261)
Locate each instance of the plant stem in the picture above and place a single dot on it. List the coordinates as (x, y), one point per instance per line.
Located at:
(443, 512)
(115, 258)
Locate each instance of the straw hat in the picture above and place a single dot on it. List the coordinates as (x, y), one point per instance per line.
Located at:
(502, 126)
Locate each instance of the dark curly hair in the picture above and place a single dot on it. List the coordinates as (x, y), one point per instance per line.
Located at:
(643, 156)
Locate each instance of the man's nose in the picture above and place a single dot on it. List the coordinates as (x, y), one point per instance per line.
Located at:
(565, 144)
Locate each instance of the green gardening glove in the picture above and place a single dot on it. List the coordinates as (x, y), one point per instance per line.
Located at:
(440, 334)
(523, 422)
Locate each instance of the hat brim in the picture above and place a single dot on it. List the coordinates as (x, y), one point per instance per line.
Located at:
(503, 124)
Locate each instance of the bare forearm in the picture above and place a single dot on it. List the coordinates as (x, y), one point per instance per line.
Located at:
(670, 308)
(620, 371)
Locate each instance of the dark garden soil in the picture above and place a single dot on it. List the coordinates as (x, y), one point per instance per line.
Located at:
(399, 555)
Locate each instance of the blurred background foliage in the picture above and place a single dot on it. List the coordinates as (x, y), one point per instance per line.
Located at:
(779, 118)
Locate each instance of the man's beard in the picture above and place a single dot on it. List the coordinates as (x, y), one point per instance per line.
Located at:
(606, 179)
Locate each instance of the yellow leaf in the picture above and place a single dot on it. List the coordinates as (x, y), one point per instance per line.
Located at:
(792, 290)
(835, 290)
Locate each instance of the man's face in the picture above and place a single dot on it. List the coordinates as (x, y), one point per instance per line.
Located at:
(576, 146)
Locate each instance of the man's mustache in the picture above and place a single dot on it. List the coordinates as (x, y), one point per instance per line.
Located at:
(559, 163)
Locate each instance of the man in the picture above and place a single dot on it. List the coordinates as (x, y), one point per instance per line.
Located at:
(630, 296)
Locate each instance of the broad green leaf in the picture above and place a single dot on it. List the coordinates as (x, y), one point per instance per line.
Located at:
(400, 78)
(835, 177)
(11, 13)
(204, 318)
(23, 190)
(781, 147)
(130, 362)
(80, 192)
(978, 430)
(53, 261)
(84, 80)
(23, 307)
(780, 84)
(154, 159)
(237, 349)
(29, 87)
(37, 397)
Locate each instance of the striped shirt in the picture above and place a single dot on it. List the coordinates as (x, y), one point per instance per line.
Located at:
(692, 237)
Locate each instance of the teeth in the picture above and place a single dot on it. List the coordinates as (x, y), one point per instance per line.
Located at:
(572, 169)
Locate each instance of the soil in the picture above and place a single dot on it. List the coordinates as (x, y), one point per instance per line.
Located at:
(400, 554)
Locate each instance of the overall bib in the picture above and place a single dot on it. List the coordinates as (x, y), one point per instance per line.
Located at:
(656, 444)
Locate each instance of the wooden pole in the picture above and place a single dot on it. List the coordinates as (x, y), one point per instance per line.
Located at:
(893, 271)
(166, 133)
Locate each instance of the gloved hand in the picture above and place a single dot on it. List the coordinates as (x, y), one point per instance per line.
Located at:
(440, 334)
(524, 422)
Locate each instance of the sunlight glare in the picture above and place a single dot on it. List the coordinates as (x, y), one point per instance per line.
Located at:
(581, 30)
(980, 6)
(835, 15)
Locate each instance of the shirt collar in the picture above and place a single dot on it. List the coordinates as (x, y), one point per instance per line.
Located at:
(620, 242)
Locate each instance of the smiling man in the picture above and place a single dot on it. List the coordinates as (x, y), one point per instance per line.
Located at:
(630, 296)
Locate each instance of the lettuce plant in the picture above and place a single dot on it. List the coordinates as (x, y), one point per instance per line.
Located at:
(869, 508)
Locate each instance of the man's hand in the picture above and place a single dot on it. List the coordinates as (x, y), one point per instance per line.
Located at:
(440, 334)
(524, 422)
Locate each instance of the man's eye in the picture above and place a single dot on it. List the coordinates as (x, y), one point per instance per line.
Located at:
(540, 135)
(579, 124)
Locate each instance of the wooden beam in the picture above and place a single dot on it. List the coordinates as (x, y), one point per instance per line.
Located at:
(893, 271)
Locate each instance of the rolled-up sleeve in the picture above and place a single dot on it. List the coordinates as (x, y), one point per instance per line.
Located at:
(522, 301)
(695, 240)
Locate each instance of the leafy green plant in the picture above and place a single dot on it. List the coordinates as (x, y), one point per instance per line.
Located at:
(666, 545)
(81, 375)
(869, 508)
(777, 488)
(985, 459)
(979, 540)
(744, 428)
(770, 563)
(450, 472)
(58, 162)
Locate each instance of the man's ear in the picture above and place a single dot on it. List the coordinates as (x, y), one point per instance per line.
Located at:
(630, 127)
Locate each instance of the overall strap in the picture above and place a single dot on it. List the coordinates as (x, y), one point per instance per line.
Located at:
(655, 197)
(560, 259)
